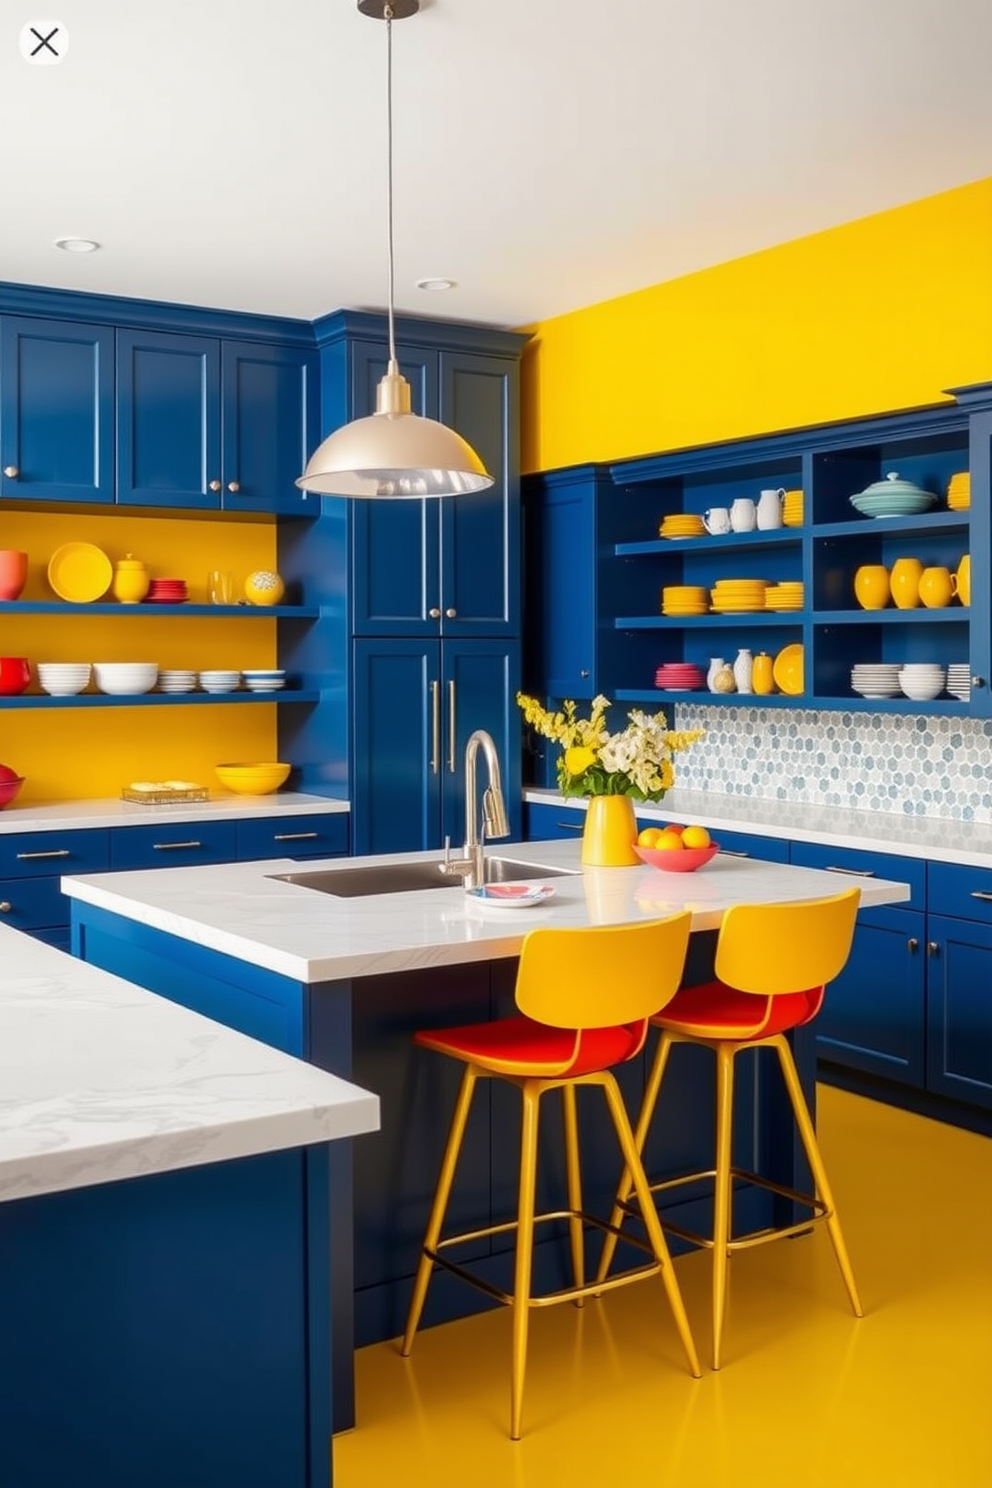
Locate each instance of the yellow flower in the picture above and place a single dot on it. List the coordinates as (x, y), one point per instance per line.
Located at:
(578, 759)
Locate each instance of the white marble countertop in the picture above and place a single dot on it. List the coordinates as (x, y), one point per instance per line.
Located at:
(101, 1081)
(62, 816)
(243, 911)
(942, 840)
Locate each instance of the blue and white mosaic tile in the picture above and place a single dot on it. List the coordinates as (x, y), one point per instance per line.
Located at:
(900, 764)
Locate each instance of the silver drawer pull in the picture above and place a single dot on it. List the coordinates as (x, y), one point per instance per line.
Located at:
(172, 846)
(571, 826)
(293, 836)
(730, 852)
(854, 872)
(5, 906)
(55, 852)
(980, 894)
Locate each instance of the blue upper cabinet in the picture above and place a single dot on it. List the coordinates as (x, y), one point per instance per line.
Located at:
(441, 568)
(213, 425)
(56, 410)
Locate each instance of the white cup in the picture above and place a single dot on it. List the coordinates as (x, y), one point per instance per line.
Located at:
(716, 520)
(743, 515)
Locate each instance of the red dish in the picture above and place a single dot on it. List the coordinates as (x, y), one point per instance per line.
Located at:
(677, 859)
(9, 789)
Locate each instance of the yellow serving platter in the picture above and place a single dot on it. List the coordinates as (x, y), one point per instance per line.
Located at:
(80, 572)
(787, 670)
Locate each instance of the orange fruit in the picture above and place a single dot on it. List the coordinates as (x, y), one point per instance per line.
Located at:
(648, 837)
(669, 841)
(695, 837)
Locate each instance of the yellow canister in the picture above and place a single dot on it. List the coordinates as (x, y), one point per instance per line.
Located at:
(131, 581)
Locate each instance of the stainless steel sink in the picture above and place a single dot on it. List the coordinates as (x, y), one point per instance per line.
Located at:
(401, 878)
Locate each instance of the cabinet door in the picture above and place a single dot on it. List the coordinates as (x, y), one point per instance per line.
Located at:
(872, 1017)
(168, 420)
(396, 545)
(56, 411)
(480, 534)
(562, 593)
(269, 425)
(480, 679)
(959, 1010)
(397, 752)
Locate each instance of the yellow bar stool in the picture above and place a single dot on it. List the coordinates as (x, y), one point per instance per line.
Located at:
(585, 997)
(772, 965)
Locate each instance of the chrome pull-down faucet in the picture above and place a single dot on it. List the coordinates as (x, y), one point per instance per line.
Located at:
(471, 867)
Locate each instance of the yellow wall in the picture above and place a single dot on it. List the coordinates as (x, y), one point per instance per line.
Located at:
(883, 313)
(67, 753)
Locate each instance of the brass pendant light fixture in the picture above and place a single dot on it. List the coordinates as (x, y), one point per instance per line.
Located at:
(393, 452)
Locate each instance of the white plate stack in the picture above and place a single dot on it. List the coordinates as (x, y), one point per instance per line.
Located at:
(262, 681)
(875, 679)
(176, 679)
(959, 681)
(219, 681)
(922, 680)
(63, 678)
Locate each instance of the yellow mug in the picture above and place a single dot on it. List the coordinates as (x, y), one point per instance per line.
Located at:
(963, 576)
(938, 587)
(871, 586)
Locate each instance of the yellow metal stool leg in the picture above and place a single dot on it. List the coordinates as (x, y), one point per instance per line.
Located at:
(530, 1092)
(722, 1189)
(652, 1223)
(573, 1172)
(441, 1196)
(822, 1184)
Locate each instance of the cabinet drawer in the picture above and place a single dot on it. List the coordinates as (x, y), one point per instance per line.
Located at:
(27, 903)
(749, 845)
(35, 854)
(542, 822)
(319, 836)
(845, 860)
(173, 845)
(962, 892)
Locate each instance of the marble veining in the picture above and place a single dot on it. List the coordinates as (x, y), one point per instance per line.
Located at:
(101, 1081)
(244, 911)
(63, 816)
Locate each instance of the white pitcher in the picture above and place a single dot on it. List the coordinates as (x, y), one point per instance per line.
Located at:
(770, 509)
(717, 520)
(743, 514)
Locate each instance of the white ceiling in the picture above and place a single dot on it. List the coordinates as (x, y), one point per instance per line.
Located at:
(548, 153)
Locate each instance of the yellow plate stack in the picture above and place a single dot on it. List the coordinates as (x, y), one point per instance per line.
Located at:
(959, 491)
(681, 524)
(685, 599)
(792, 509)
(785, 596)
(738, 596)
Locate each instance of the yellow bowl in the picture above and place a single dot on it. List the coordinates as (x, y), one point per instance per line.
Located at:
(252, 780)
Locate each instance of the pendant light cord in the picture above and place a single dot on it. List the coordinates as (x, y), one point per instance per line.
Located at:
(388, 16)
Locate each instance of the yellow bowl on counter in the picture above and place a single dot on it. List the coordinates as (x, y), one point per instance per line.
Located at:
(252, 780)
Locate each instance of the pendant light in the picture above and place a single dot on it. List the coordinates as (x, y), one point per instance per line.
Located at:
(393, 452)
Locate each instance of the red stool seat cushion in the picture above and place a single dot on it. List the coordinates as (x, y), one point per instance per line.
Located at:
(714, 1010)
(520, 1046)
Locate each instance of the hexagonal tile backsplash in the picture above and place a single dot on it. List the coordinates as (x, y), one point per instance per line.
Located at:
(910, 766)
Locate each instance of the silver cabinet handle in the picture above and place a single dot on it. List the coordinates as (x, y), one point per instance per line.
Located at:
(55, 852)
(584, 672)
(854, 872)
(730, 852)
(933, 947)
(215, 485)
(571, 826)
(11, 472)
(234, 487)
(293, 836)
(980, 894)
(435, 726)
(5, 906)
(435, 613)
(451, 614)
(172, 846)
(978, 681)
(912, 945)
(452, 743)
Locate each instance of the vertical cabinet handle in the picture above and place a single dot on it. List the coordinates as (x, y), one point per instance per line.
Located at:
(435, 726)
(452, 745)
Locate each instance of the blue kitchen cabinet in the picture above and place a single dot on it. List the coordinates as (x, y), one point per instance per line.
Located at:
(31, 868)
(546, 822)
(415, 705)
(750, 845)
(959, 983)
(56, 410)
(205, 424)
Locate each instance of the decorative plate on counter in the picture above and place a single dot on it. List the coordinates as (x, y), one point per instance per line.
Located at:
(80, 572)
(511, 895)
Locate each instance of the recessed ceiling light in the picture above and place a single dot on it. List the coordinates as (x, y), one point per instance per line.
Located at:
(435, 286)
(77, 245)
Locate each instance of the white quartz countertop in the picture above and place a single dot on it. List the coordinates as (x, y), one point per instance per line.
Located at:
(907, 836)
(102, 1081)
(310, 936)
(62, 816)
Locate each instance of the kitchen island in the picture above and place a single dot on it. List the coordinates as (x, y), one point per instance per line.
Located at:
(344, 982)
(163, 1239)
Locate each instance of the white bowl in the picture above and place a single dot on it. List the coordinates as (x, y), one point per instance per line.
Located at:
(921, 690)
(120, 678)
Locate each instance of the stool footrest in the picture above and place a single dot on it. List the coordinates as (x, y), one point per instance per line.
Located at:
(818, 1210)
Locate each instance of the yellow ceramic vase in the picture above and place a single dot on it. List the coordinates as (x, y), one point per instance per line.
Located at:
(609, 833)
(905, 583)
(938, 587)
(871, 586)
(762, 678)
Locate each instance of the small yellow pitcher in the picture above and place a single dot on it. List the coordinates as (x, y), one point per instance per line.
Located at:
(938, 586)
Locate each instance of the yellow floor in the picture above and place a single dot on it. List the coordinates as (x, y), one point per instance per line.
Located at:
(808, 1397)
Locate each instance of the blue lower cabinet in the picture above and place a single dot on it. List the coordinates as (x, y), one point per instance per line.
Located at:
(959, 1010)
(173, 845)
(873, 1013)
(31, 867)
(543, 823)
(748, 845)
(317, 836)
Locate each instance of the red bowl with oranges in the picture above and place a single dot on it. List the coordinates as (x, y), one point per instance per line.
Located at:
(677, 859)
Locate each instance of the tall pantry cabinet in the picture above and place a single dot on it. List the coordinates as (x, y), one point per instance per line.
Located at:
(434, 584)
